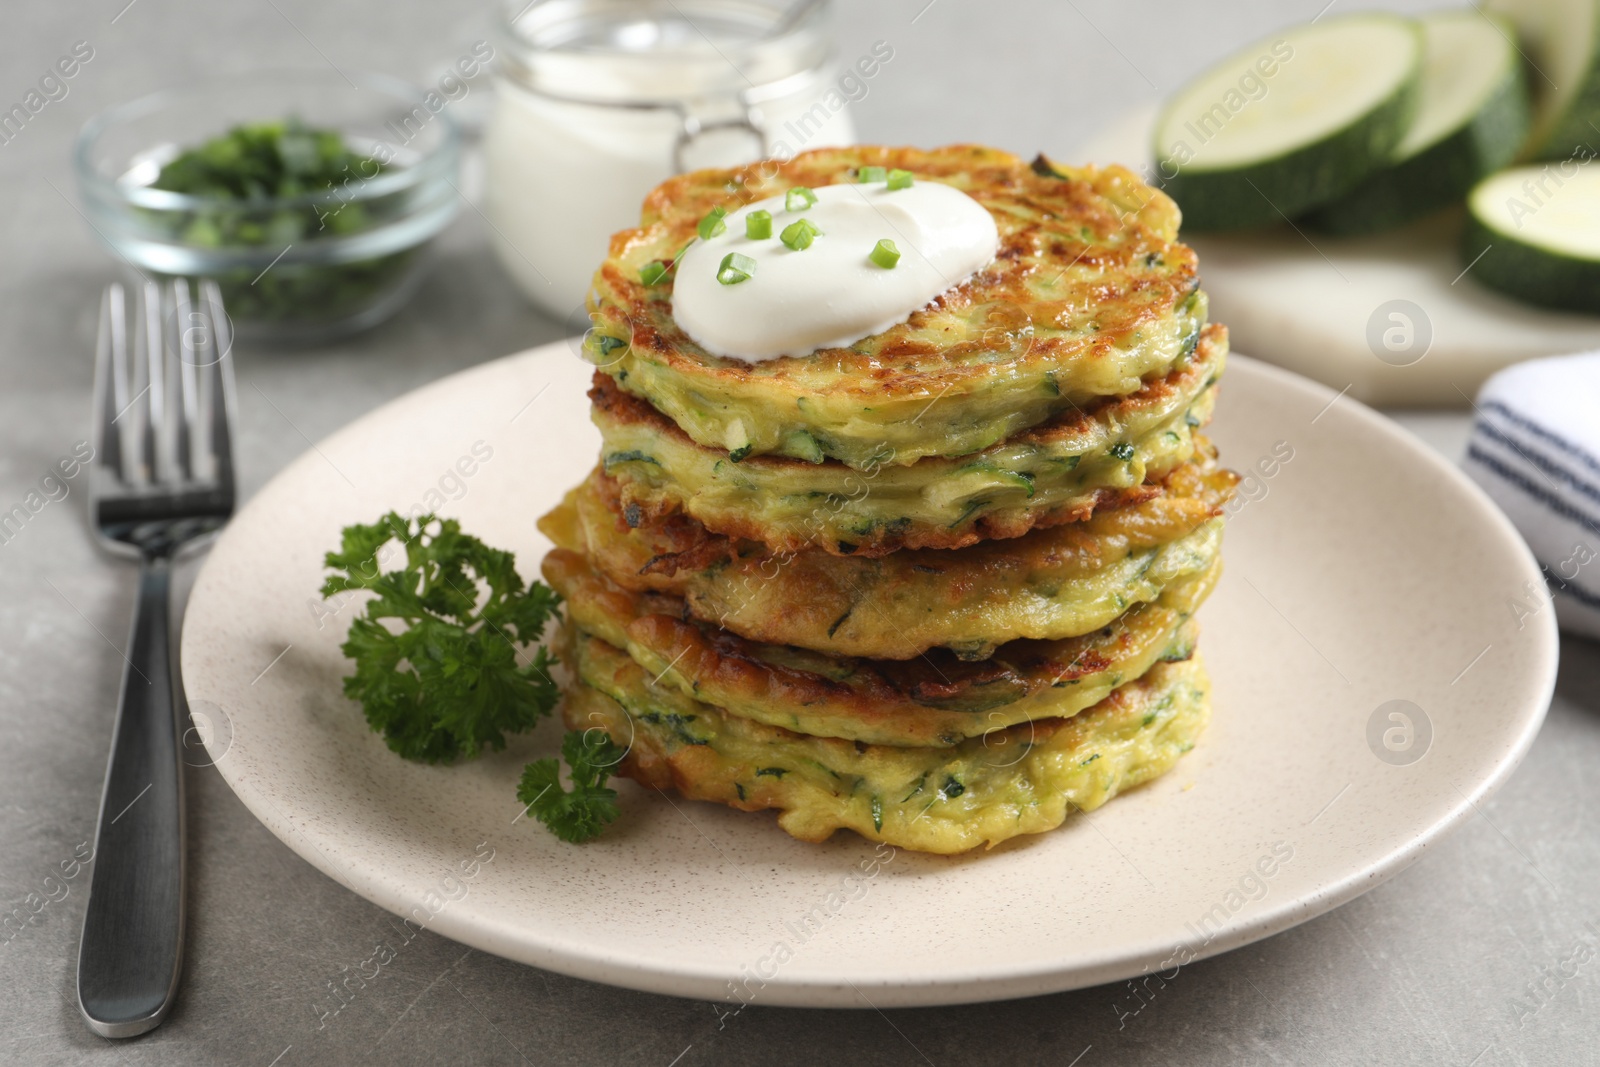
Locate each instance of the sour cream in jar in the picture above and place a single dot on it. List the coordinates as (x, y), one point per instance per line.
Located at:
(599, 101)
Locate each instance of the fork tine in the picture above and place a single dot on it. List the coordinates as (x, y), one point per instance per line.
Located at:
(218, 358)
(149, 395)
(111, 380)
(179, 338)
(203, 356)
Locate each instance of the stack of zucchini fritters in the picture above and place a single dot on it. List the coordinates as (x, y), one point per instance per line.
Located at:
(936, 587)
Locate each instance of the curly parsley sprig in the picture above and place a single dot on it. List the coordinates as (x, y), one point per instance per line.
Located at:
(446, 683)
(583, 812)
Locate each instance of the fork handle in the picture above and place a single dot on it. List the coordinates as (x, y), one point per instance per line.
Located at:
(132, 947)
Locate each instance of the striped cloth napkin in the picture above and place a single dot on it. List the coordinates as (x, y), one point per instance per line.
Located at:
(1535, 449)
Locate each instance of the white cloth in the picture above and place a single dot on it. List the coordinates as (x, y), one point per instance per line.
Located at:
(1535, 449)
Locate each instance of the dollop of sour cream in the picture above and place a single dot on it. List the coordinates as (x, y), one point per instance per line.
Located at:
(831, 294)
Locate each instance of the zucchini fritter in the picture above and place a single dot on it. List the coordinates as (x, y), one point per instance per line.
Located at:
(1058, 472)
(1051, 583)
(1022, 780)
(1091, 293)
(932, 700)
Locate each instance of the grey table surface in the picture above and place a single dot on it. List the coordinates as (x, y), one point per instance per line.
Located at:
(1458, 960)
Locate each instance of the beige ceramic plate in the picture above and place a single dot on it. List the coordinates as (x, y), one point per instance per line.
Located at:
(1393, 318)
(1362, 571)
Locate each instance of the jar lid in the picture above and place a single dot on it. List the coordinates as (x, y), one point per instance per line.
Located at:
(660, 52)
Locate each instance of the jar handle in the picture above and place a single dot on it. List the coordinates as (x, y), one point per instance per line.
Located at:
(693, 129)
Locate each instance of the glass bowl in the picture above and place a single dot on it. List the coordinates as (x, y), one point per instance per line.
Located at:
(295, 268)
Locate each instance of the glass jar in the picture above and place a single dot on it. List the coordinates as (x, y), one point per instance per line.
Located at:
(599, 101)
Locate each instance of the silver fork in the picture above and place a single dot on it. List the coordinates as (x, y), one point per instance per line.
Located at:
(163, 478)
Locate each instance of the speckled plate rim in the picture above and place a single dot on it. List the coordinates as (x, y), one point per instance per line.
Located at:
(904, 982)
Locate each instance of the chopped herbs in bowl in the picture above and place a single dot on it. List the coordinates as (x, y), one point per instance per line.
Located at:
(314, 219)
(248, 174)
(256, 165)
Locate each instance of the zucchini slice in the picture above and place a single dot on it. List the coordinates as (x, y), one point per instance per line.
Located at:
(1534, 233)
(1562, 45)
(1472, 117)
(1290, 122)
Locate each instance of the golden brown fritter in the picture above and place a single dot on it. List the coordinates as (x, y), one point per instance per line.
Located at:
(1059, 471)
(1090, 294)
(1051, 583)
(1023, 780)
(933, 700)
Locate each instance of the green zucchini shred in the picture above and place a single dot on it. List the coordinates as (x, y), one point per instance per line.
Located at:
(616, 459)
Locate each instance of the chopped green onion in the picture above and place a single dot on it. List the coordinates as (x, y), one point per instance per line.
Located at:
(799, 235)
(712, 224)
(758, 225)
(735, 269)
(657, 271)
(799, 198)
(871, 174)
(885, 254)
(899, 179)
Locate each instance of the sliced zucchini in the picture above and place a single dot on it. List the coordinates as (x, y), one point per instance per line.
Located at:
(1291, 122)
(802, 445)
(1472, 118)
(1534, 233)
(1561, 42)
(975, 478)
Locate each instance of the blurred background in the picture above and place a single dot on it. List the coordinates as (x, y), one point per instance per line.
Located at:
(1434, 967)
